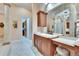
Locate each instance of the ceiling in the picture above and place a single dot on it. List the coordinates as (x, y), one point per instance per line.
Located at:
(27, 6)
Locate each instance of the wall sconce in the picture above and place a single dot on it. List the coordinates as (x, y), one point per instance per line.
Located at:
(15, 24)
(1, 25)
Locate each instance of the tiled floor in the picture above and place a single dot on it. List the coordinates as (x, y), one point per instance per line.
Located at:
(21, 47)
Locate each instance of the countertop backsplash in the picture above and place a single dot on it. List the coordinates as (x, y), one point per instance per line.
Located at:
(42, 29)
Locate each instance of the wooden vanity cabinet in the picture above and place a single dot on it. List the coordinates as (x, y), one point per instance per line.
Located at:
(47, 47)
(41, 19)
(44, 45)
(37, 42)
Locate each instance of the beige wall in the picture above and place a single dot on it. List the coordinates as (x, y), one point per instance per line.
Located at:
(35, 9)
(1, 29)
(15, 15)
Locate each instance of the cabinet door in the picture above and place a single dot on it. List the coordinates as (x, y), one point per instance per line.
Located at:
(40, 44)
(35, 40)
(43, 46)
(42, 18)
(46, 46)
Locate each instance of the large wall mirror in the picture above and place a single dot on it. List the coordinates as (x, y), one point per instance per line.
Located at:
(60, 20)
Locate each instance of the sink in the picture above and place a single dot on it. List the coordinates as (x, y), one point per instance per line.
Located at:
(65, 40)
(77, 42)
(47, 35)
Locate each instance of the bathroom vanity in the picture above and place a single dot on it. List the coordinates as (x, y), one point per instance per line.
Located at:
(46, 44)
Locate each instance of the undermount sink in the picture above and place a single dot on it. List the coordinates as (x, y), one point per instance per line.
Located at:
(65, 40)
(48, 35)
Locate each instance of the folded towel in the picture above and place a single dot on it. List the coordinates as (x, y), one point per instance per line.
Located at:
(62, 51)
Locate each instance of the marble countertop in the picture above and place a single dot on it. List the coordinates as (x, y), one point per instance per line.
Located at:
(71, 41)
(77, 42)
(54, 35)
(65, 41)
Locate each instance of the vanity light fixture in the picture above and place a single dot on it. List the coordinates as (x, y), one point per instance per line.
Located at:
(15, 24)
(1, 25)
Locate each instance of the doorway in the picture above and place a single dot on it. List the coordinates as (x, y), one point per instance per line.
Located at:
(26, 27)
